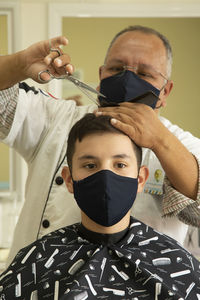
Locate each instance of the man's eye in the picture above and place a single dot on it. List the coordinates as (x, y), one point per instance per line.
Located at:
(116, 69)
(143, 74)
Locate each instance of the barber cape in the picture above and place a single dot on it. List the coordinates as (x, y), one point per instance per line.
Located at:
(75, 263)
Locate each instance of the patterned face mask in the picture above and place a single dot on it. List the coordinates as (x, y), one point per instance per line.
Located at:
(105, 197)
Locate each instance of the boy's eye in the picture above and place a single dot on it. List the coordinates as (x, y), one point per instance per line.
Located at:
(121, 165)
(90, 166)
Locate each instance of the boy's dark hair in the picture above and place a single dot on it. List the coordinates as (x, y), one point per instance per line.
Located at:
(91, 124)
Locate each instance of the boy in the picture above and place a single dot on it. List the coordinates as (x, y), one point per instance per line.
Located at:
(110, 254)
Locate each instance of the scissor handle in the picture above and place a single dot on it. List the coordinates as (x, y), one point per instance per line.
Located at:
(42, 80)
(66, 76)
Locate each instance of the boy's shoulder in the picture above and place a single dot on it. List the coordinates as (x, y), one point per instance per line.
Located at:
(62, 236)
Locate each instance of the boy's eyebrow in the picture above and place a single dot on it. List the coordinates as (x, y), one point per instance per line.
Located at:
(88, 156)
(123, 155)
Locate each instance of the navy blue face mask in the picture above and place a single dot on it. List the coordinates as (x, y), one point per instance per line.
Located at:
(128, 87)
(105, 197)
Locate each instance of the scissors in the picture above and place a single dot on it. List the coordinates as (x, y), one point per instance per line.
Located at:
(81, 85)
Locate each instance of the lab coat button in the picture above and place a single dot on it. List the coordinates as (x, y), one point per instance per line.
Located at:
(45, 224)
(59, 180)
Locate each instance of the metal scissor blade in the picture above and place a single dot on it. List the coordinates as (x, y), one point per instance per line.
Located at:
(83, 85)
(79, 84)
(84, 91)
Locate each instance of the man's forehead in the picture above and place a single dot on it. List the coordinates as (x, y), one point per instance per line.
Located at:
(138, 47)
(138, 41)
(139, 38)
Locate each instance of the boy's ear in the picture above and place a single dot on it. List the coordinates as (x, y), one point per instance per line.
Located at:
(142, 177)
(66, 175)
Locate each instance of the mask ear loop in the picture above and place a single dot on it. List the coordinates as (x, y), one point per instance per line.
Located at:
(160, 92)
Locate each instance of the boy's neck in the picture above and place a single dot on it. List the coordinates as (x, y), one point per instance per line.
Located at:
(93, 226)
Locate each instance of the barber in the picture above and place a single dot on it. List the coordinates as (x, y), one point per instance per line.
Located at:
(139, 60)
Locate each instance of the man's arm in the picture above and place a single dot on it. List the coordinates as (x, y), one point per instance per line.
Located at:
(10, 64)
(179, 164)
(29, 62)
(142, 124)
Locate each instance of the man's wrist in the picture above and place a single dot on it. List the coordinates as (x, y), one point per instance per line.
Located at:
(162, 140)
(13, 70)
(21, 65)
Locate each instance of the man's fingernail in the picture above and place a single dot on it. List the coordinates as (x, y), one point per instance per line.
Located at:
(58, 62)
(48, 60)
(66, 41)
(98, 113)
(70, 68)
(113, 121)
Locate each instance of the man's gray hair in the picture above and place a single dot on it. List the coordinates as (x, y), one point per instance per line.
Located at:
(148, 30)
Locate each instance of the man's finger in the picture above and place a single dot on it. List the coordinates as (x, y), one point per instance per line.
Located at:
(127, 129)
(58, 41)
(69, 68)
(57, 71)
(59, 64)
(122, 118)
(44, 77)
(64, 58)
(112, 114)
(108, 108)
(116, 113)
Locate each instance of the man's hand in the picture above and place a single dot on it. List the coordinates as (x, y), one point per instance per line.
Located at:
(138, 121)
(38, 57)
(142, 124)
